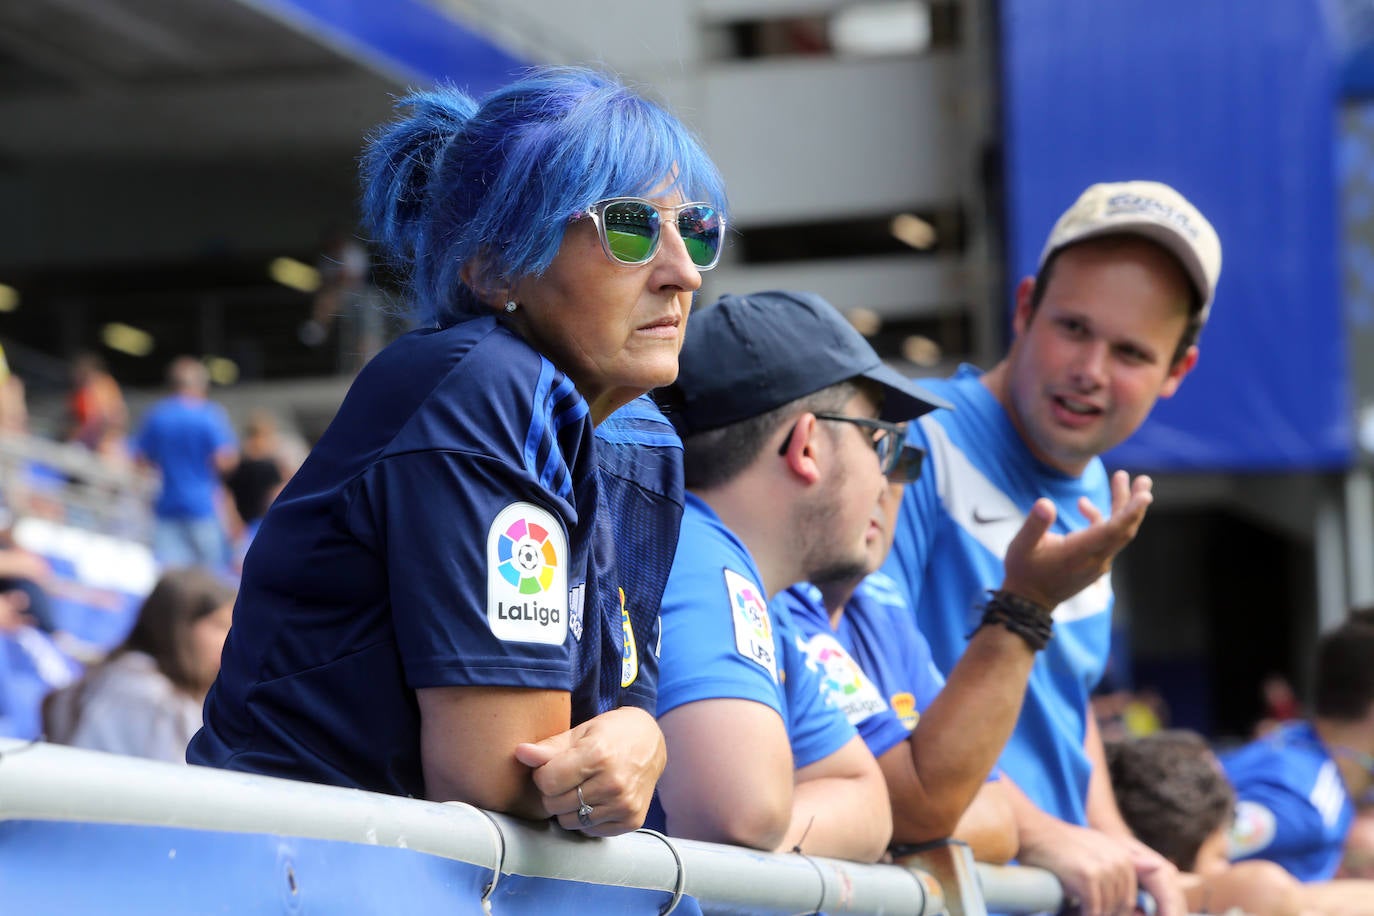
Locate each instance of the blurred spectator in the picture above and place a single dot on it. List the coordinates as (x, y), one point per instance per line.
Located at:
(14, 412)
(1358, 860)
(1123, 713)
(145, 699)
(1175, 797)
(22, 578)
(1146, 712)
(1297, 784)
(261, 473)
(96, 409)
(1280, 703)
(345, 276)
(189, 440)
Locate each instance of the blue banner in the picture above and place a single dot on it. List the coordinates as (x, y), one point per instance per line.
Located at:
(407, 36)
(56, 867)
(1233, 102)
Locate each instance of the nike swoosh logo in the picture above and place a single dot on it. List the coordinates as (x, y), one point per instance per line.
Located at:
(982, 519)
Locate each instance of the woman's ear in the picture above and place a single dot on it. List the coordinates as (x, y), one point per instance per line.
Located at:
(485, 283)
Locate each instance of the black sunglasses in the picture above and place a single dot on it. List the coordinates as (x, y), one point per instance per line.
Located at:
(900, 462)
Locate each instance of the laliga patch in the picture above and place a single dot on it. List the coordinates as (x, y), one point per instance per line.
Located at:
(527, 576)
(843, 683)
(753, 626)
(1252, 830)
(629, 658)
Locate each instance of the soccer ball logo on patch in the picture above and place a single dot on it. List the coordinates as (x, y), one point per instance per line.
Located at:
(842, 676)
(527, 557)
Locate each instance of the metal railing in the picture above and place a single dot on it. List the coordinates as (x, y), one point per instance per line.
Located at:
(68, 483)
(43, 782)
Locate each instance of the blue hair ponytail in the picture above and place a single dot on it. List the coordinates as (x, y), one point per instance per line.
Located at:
(397, 166)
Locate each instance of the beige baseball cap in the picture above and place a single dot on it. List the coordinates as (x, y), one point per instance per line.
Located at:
(1154, 211)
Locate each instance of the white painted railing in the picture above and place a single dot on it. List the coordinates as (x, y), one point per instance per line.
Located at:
(42, 782)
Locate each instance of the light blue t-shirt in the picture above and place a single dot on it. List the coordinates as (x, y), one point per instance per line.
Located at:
(955, 524)
(722, 641)
(1291, 804)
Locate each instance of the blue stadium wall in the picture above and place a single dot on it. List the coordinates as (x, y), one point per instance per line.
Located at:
(1234, 102)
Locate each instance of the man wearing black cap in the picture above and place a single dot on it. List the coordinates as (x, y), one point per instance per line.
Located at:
(791, 426)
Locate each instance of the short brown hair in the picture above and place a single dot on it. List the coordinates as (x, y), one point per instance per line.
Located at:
(1171, 791)
(715, 457)
(1344, 675)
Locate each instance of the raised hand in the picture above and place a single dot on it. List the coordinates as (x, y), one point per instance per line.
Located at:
(1049, 568)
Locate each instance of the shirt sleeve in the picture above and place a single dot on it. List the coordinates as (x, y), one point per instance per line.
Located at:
(816, 728)
(718, 639)
(1273, 821)
(842, 680)
(222, 430)
(478, 559)
(642, 690)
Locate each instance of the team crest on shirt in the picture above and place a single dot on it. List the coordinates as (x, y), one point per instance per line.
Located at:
(753, 626)
(904, 705)
(527, 576)
(843, 682)
(629, 658)
(1253, 829)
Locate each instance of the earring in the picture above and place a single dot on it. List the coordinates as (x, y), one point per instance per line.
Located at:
(511, 306)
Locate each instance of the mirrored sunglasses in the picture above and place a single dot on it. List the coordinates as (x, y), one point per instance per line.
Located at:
(631, 229)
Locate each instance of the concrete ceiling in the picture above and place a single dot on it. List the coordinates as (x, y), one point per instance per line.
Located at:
(159, 79)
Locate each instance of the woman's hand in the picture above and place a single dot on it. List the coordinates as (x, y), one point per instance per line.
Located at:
(615, 759)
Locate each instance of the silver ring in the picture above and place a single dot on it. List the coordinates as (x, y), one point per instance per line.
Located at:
(584, 810)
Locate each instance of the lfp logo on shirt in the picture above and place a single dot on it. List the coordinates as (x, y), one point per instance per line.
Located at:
(753, 626)
(527, 588)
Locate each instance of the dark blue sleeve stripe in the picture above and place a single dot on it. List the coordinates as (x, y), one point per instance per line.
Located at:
(556, 406)
(538, 418)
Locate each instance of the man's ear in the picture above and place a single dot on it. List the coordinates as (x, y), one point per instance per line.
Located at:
(800, 456)
(486, 284)
(1178, 371)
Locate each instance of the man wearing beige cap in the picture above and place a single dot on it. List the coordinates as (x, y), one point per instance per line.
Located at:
(1107, 326)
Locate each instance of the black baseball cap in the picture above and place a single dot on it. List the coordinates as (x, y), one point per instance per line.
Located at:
(746, 355)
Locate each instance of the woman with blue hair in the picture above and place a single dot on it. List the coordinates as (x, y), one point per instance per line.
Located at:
(416, 614)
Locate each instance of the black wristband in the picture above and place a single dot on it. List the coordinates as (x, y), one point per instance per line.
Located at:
(1031, 621)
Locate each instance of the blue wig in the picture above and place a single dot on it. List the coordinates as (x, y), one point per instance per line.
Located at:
(453, 180)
